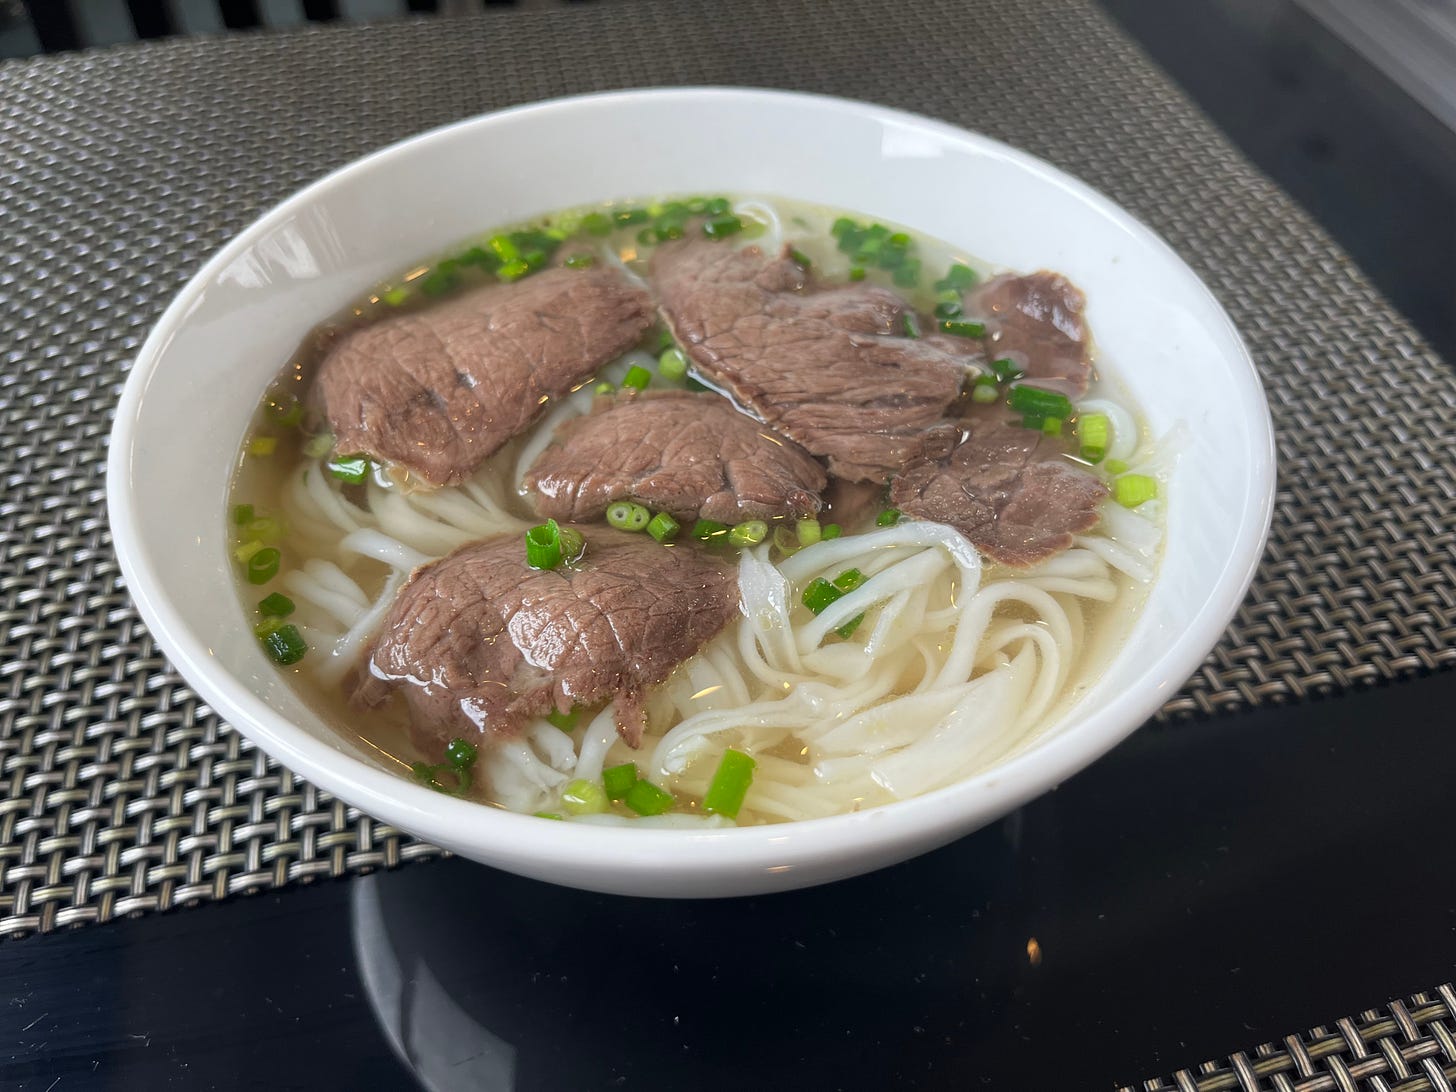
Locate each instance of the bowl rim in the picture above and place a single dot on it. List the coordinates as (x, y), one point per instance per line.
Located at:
(948, 811)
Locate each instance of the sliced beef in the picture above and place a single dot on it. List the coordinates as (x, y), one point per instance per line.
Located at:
(1007, 489)
(479, 642)
(851, 504)
(684, 453)
(1036, 320)
(438, 391)
(828, 367)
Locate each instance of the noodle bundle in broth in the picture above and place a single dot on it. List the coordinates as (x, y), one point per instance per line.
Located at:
(701, 511)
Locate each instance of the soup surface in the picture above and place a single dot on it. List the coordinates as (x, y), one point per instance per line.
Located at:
(697, 511)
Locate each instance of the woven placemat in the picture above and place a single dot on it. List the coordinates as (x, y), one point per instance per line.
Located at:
(121, 170)
(1407, 1046)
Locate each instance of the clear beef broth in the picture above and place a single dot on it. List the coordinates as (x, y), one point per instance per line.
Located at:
(335, 582)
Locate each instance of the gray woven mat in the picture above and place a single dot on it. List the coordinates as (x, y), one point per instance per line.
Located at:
(121, 170)
(1407, 1046)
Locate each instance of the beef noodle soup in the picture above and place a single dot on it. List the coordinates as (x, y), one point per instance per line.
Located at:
(697, 511)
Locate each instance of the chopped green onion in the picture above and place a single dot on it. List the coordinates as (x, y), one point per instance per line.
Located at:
(581, 261)
(962, 328)
(850, 579)
(352, 469)
(505, 248)
(460, 753)
(647, 236)
(637, 378)
(316, 447)
(1115, 466)
(1051, 426)
(831, 530)
(1040, 403)
(957, 278)
(948, 309)
(242, 514)
(888, 518)
(262, 445)
(583, 797)
(565, 721)
(1094, 431)
(819, 594)
(730, 784)
(395, 296)
(722, 226)
(1006, 369)
(245, 551)
(785, 540)
(694, 384)
(266, 626)
(800, 258)
(264, 529)
(911, 323)
(549, 815)
(899, 239)
(808, 531)
(841, 225)
(708, 529)
(856, 273)
(573, 545)
(672, 364)
(618, 779)
(626, 516)
(285, 645)
(1131, 490)
(543, 545)
(263, 565)
(847, 630)
(440, 280)
(605, 388)
(645, 798)
(595, 223)
(985, 391)
(631, 216)
(663, 527)
(908, 276)
(288, 416)
(514, 269)
(748, 533)
(717, 206)
(479, 256)
(276, 605)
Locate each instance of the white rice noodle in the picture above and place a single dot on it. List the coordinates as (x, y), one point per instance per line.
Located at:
(527, 772)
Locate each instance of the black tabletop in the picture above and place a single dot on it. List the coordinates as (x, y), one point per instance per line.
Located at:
(1204, 888)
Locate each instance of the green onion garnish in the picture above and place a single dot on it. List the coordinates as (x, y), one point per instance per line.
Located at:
(908, 276)
(850, 579)
(264, 529)
(808, 531)
(1006, 369)
(543, 545)
(1131, 490)
(595, 223)
(1115, 466)
(581, 261)
(800, 258)
(565, 721)
(646, 237)
(962, 328)
(1051, 426)
(276, 605)
(819, 594)
(637, 378)
(460, 753)
(505, 248)
(582, 797)
(957, 278)
(514, 269)
(831, 530)
(316, 447)
(244, 551)
(985, 390)
(352, 469)
(730, 784)
(841, 225)
(1094, 431)
(604, 388)
(645, 798)
(618, 779)
(911, 323)
(748, 533)
(631, 216)
(394, 297)
(284, 645)
(709, 529)
(287, 415)
(626, 516)
(262, 445)
(242, 514)
(1039, 403)
(948, 309)
(717, 206)
(856, 273)
(549, 815)
(672, 364)
(663, 527)
(263, 565)
(888, 518)
(722, 226)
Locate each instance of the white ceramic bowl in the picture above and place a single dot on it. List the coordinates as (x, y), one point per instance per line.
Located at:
(187, 403)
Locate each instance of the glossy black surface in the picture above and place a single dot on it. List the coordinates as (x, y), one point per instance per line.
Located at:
(1202, 889)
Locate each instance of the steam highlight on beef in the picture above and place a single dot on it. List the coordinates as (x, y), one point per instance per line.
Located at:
(832, 368)
(438, 391)
(480, 642)
(689, 454)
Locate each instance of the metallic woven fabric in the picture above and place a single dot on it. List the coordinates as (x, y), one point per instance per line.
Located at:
(121, 170)
(1408, 1046)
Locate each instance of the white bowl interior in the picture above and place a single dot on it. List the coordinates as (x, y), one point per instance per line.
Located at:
(201, 373)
